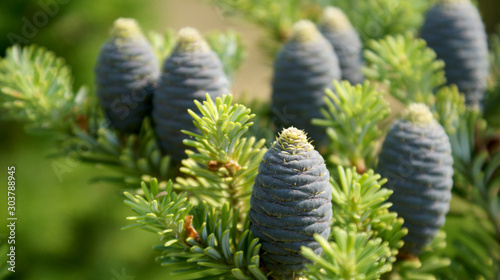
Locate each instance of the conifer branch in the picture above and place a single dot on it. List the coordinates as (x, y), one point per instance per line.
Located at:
(352, 117)
(378, 18)
(223, 165)
(351, 255)
(37, 88)
(199, 243)
(477, 169)
(430, 262)
(133, 158)
(449, 108)
(361, 201)
(406, 66)
(473, 249)
(372, 19)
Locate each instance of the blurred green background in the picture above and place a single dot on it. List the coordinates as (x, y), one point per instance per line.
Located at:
(70, 229)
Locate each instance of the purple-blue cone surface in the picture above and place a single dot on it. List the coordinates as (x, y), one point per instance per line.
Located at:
(191, 71)
(126, 74)
(416, 159)
(345, 40)
(290, 202)
(455, 31)
(303, 69)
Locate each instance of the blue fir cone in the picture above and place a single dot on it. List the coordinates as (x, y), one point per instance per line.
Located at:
(126, 74)
(345, 40)
(191, 71)
(290, 202)
(303, 69)
(417, 161)
(454, 29)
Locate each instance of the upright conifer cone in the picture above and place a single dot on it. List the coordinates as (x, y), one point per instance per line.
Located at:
(454, 29)
(303, 69)
(291, 201)
(191, 71)
(126, 74)
(338, 30)
(417, 161)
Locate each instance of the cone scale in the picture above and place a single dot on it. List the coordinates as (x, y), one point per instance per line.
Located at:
(417, 161)
(291, 201)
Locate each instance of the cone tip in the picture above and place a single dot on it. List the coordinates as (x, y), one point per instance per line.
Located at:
(304, 31)
(125, 28)
(419, 114)
(335, 19)
(190, 40)
(293, 139)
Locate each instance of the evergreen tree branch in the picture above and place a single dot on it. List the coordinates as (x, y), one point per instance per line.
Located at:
(477, 170)
(37, 88)
(199, 243)
(449, 108)
(351, 255)
(360, 213)
(133, 158)
(430, 262)
(352, 116)
(376, 19)
(472, 247)
(373, 19)
(406, 66)
(223, 165)
(477, 167)
(361, 201)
